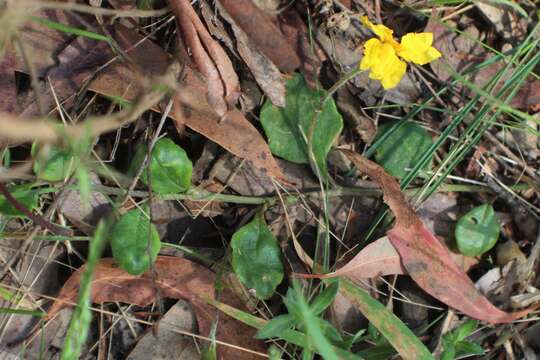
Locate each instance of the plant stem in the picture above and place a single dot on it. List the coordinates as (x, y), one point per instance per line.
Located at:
(204, 196)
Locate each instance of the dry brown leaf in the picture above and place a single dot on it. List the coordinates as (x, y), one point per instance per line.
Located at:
(175, 278)
(209, 56)
(263, 32)
(263, 69)
(8, 88)
(425, 258)
(236, 134)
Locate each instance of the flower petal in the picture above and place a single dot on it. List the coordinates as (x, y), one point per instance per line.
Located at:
(370, 53)
(416, 47)
(382, 60)
(383, 32)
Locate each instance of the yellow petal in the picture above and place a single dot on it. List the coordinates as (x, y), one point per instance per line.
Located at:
(370, 53)
(384, 33)
(416, 47)
(383, 62)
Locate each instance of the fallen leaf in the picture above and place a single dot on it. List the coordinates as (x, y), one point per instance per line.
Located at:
(84, 216)
(209, 56)
(263, 32)
(300, 37)
(175, 278)
(120, 80)
(263, 69)
(8, 88)
(425, 258)
(379, 258)
(235, 133)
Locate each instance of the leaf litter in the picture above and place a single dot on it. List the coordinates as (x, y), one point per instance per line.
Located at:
(238, 55)
(174, 278)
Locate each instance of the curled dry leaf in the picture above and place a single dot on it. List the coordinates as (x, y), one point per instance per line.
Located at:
(175, 278)
(263, 32)
(425, 258)
(209, 56)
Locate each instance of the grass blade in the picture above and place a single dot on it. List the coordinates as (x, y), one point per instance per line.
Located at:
(80, 321)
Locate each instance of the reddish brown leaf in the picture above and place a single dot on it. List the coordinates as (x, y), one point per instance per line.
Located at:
(175, 278)
(379, 258)
(209, 56)
(263, 32)
(425, 258)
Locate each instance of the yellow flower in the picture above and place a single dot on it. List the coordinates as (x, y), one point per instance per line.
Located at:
(382, 56)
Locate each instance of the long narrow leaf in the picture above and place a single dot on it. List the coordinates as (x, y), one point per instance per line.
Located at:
(80, 321)
(390, 326)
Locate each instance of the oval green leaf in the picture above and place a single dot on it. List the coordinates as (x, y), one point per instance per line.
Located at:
(169, 168)
(51, 163)
(23, 194)
(477, 231)
(135, 242)
(288, 128)
(403, 148)
(256, 258)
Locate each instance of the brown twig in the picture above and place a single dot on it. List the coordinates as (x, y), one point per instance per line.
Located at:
(38, 220)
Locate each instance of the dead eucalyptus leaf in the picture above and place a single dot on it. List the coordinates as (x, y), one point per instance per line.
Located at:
(209, 56)
(425, 258)
(263, 32)
(263, 69)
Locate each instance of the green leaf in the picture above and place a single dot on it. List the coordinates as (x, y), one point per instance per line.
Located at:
(276, 326)
(389, 325)
(449, 353)
(468, 348)
(290, 336)
(465, 329)
(325, 298)
(313, 326)
(169, 168)
(135, 242)
(477, 231)
(24, 194)
(77, 331)
(274, 353)
(288, 129)
(256, 257)
(403, 148)
(51, 163)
